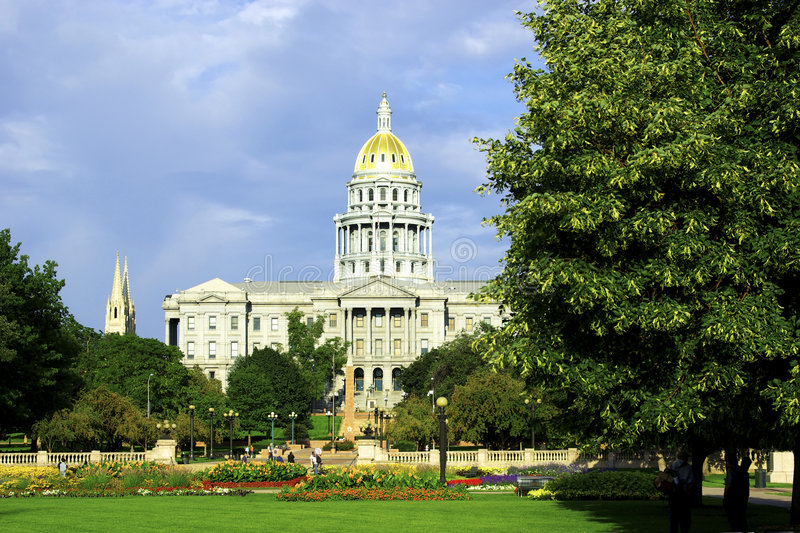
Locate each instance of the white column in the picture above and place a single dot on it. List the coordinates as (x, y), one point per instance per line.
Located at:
(368, 347)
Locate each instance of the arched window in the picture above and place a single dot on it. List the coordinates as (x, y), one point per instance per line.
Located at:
(394, 158)
(369, 241)
(383, 158)
(360, 196)
(371, 195)
(397, 266)
(396, 379)
(395, 242)
(371, 158)
(366, 266)
(359, 375)
(405, 195)
(402, 159)
(383, 241)
(377, 379)
(394, 195)
(364, 159)
(115, 312)
(383, 194)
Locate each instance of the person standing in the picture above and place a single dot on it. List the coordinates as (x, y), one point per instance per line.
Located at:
(680, 499)
(737, 492)
(313, 458)
(62, 467)
(270, 452)
(290, 457)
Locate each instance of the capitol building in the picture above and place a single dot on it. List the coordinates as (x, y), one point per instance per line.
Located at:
(383, 299)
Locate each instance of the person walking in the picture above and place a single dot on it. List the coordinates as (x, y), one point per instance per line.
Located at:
(314, 465)
(270, 452)
(737, 492)
(680, 499)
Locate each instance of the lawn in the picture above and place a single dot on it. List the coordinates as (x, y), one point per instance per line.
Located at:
(260, 512)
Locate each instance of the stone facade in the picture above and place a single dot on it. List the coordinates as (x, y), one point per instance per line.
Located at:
(383, 299)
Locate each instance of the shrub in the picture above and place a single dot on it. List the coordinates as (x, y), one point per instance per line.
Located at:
(371, 476)
(235, 471)
(405, 446)
(549, 469)
(600, 485)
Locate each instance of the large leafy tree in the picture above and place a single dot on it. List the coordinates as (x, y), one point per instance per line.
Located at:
(489, 409)
(123, 363)
(413, 420)
(651, 204)
(269, 381)
(37, 345)
(320, 361)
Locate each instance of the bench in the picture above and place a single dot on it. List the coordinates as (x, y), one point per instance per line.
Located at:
(525, 484)
(472, 473)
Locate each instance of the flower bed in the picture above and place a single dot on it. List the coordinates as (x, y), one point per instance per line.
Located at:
(254, 484)
(473, 482)
(117, 493)
(238, 472)
(600, 485)
(374, 493)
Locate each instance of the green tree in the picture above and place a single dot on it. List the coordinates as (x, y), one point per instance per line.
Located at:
(413, 420)
(651, 205)
(444, 367)
(113, 417)
(489, 409)
(269, 381)
(203, 393)
(37, 347)
(123, 363)
(319, 361)
(56, 429)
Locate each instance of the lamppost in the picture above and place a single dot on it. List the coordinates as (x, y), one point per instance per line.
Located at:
(380, 432)
(211, 433)
(191, 432)
(534, 405)
(441, 402)
(148, 395)
(432, 394)
(328, 414)
(386, 417)
(272, 417)
(293, 417)
(230, 416)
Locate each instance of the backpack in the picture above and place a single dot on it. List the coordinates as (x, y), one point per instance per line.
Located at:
(319, 459)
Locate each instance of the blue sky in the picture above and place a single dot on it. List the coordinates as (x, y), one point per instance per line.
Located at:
(214, 138)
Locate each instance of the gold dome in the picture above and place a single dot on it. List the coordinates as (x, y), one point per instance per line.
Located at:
(384, 151)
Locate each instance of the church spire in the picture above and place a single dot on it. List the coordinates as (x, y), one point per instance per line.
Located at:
(120, 311)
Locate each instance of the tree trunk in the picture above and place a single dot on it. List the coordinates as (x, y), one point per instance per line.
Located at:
(794, 510)
(699, 449)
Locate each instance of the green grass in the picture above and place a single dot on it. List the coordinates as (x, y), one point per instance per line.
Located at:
(260, 512)
(718, 480)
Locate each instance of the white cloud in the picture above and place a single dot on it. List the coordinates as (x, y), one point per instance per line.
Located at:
(25, 147)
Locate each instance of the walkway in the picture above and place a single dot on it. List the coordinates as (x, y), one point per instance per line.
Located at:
(777, 497)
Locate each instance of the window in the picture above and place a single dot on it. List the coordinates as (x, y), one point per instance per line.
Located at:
(383, 241)
(487, 320)
(359, 346)
(274, 323)
(234, 348)
(359, 375)
(256, 323)
(190, 350)
(423, 320)
(369, 240)
(377, 379)
(371, 195)
(371, 158)
(423, 346)
(366, 266)
(309, 321)
(212, 349)
(379, 320)
(383, 194)
(360, 196)
(394, 158)
(212, 322)
(451, 324)
(211, 374)
(383, 158)
(469, 323)
(378, 346)
(275, 346)
(364, 159)
(395, 241)
(394, 195)
(405, 196)
(332, 320)
(397, 346)
(397, 266)
(398, 321)
(359, 320)
(234, 323)
(396, 378)
(402, 159)
(189, 322)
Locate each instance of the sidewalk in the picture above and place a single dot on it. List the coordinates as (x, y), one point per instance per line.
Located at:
(758, 496)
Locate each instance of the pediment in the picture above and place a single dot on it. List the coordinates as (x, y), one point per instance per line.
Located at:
(377, 288)
(215, 285)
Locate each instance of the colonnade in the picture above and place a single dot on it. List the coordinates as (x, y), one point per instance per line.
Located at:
(400, 237)
(378, 325)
